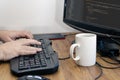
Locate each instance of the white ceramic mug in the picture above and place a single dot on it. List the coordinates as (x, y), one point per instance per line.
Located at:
(84, 49)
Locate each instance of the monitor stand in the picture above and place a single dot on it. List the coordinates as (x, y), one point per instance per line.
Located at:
(107, 47)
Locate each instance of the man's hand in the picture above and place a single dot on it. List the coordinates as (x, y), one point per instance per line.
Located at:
(13, 49)
(7, 36)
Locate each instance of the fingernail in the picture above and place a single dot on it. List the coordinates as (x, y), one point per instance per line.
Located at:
(39, 49)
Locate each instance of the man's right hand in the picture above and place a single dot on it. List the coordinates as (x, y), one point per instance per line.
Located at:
(13, 49)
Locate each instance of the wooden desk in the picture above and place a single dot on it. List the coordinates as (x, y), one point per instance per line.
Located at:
(68, 70)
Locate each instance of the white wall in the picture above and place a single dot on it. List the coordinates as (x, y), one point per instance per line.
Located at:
(38, 16)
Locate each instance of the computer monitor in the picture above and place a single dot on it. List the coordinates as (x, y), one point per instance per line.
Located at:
(101, 17)
(97, 16)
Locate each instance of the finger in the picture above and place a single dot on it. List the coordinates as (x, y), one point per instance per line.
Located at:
(27, 52)
(24, 34)
(29, 41)
(27, 34)
(30, 50)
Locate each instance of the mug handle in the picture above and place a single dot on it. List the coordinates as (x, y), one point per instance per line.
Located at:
(73, 46)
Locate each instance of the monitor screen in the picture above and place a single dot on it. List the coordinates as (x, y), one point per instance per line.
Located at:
(99, 16)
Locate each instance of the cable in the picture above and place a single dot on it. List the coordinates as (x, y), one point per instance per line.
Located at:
(101, 72)
(116, 41)
(108, 67)
(114, 58)
(64, 58)
(115, 63)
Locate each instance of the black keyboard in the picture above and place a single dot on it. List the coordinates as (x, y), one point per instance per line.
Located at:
(44, 62)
